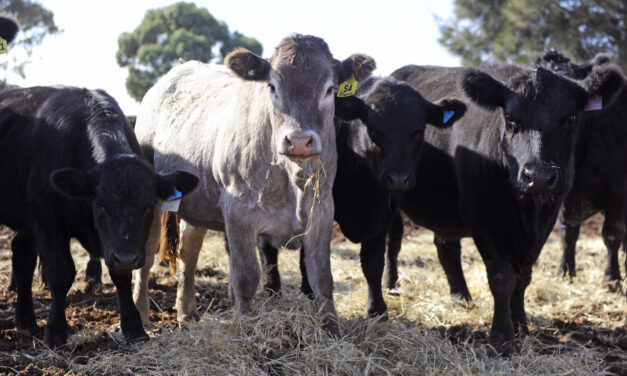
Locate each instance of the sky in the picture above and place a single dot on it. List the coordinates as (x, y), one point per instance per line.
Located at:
(395, 33)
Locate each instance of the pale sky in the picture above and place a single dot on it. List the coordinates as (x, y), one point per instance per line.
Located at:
(395, 33)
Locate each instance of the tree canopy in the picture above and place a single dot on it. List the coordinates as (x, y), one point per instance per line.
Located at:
(165, 35)
(35, 23)
(517, 31)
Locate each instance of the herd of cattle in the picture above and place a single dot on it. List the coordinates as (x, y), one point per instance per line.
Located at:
(269, 152)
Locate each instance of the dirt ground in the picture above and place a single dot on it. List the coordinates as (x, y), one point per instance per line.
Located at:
(94, 322)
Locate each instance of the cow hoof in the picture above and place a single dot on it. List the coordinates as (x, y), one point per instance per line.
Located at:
(55, 337)
(462, 296)
(273, 290)
(188, 317)
(136, 338)
(94, 286)
(613, 285)
(332, 328)
(381, 314)
(26, 332)
(393, 291)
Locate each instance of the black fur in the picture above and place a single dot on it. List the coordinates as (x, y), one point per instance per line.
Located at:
(600, 183)
(475, 178)
(71, 167)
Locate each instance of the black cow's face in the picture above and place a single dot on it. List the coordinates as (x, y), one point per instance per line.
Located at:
(123, 193)
(395, 116)
(538, 125)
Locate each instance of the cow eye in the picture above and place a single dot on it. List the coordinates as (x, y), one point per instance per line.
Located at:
(571, 119)
(330, 90)
(511, 124)
(272, 88)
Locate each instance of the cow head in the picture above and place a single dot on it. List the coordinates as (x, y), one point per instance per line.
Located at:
(394, 116)
(123, 192)
(302, 79)
(539, 122)
(8, 27)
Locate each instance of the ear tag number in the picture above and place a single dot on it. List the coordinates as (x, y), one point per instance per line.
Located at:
(348, 87)
(173, 202)
(595, 103)
(448, 114)
(3, 46)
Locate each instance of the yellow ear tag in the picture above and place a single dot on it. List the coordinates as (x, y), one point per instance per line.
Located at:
(348, 87)
(3, 46)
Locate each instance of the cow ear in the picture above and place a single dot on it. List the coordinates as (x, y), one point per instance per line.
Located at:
(247, 65)
(73, 183)
(351, 108)
(359, 65)
(445, 112)
(484, 90)
(8, 27)
(604, 81)
(180, 180)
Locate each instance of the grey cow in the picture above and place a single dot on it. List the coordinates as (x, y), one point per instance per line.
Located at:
(254, 131)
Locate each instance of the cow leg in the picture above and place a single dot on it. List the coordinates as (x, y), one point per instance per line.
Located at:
(140, 290)
(245, 273)
(24, 259)
(269, 260)
(519, 317)
(129, 316)
(395, 239)
(613, 232)
(570, 233)
(450, 256)
(58, 267)
(372, 257)
(12, 281)
(305, 287)
(191, 243)
(502, 281)
(317, 257)
(93, 274)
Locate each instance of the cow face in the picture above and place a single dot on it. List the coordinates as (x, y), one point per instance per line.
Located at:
(395, 116)
(302, 79)
(539, 123)
(123, 193)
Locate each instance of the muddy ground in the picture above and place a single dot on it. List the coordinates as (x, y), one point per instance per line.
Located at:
(94, 315)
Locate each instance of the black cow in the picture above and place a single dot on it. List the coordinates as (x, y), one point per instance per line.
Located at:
(71, 167)
(499, 175)
(600, 183)
(379, 137)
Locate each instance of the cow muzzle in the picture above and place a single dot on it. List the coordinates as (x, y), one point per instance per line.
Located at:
(539, 179)
(125, 261)
(299, 146)
(397, 181)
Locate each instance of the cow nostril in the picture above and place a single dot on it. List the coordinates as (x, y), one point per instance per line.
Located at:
(552, 181)
(288, 142)
(310, 143)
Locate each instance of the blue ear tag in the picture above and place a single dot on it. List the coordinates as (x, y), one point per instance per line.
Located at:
(448, 114)
(175, 195)
(173, 202)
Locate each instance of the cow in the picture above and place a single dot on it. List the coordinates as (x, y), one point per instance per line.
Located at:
(600, 183)
(500, 174)
(71, 167)
(379, 137)
(259, 134)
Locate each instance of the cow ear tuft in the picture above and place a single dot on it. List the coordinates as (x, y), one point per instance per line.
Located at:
(183, 181)
(484, 90)
(445, 112)
(605, 80)
(73, 183)
(359, 65)
(247, 65)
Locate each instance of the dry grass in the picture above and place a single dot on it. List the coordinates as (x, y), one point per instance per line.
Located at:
(573, 324)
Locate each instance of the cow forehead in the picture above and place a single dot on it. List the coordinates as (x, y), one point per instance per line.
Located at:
(126, 182)
(302, 52)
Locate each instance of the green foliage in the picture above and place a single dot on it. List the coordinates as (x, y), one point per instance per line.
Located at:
(517, 31)
(35, 23)
(165, 35)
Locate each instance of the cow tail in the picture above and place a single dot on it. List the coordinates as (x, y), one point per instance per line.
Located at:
(169, 241)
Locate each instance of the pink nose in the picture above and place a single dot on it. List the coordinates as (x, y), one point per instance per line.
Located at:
(299, 145)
